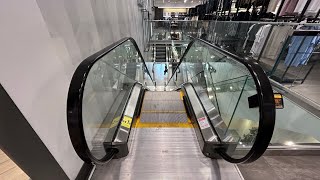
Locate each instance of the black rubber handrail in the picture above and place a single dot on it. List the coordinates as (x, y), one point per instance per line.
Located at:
(75, 97)
(265, 96)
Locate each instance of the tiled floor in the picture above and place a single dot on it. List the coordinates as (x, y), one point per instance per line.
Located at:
(282, 168)
(9, 170)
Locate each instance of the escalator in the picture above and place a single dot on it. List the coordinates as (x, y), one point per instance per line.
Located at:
(221, 108)
(160, 53)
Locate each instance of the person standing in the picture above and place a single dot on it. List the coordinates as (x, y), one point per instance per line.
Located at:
(165, 69)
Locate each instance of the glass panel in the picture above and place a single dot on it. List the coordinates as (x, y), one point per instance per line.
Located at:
(245, 120)
(228, 84)
(295, 125)
(297, 58)
(126, 59)
(106, 91)
(271, 45)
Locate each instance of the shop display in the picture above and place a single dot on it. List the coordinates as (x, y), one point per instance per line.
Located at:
(276, 40)
(260, 39)
(288, 7)
(256, 10)
(312, 9)
(301, 48)
(251, 35)
(273, 5)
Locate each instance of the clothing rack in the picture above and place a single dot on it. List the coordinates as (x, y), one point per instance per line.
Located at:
(306, 33)
(283, 79)
(246, 11)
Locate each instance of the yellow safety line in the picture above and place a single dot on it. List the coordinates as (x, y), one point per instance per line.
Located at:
(181, 95)
(139, 124)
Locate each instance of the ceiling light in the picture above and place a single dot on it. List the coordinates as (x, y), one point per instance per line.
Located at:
(185, 1)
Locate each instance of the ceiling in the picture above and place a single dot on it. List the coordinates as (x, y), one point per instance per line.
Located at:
(176, 3)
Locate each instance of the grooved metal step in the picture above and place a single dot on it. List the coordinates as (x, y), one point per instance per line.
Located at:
(163, 107)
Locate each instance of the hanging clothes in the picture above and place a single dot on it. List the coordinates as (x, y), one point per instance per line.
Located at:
(288, 7)
(260, 39)
(273, 5)
(299, 54)
(242, 31)
(226, 5)
(312, 8)
(194, 18)
(247, 3)
(248, 35)
(212, 6)
(276, 40)
(260, 2)
(243, 3)
(243, 16)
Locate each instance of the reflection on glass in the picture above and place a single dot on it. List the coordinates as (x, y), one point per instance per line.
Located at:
(106, 90)
(295, 124)
(228, 85)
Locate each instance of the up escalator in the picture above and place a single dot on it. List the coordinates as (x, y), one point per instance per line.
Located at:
(222, 108)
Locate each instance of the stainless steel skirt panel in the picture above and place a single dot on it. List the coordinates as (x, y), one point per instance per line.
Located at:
(166, 153)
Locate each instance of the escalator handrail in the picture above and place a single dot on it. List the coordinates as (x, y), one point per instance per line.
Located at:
(75, 96)
(266, 105)
(181, 59)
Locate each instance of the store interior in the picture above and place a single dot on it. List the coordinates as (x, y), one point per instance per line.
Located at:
(281, 35)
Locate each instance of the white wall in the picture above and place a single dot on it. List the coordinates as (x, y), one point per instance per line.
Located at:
(86, 26)
(41, 44)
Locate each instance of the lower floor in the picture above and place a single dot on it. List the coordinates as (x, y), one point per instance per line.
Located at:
(9, 170)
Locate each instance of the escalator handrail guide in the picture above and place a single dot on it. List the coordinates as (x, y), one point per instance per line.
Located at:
(75, 96)
(267, 111)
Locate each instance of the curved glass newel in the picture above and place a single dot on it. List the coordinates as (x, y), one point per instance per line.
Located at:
(98, 93)
(241, 94)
